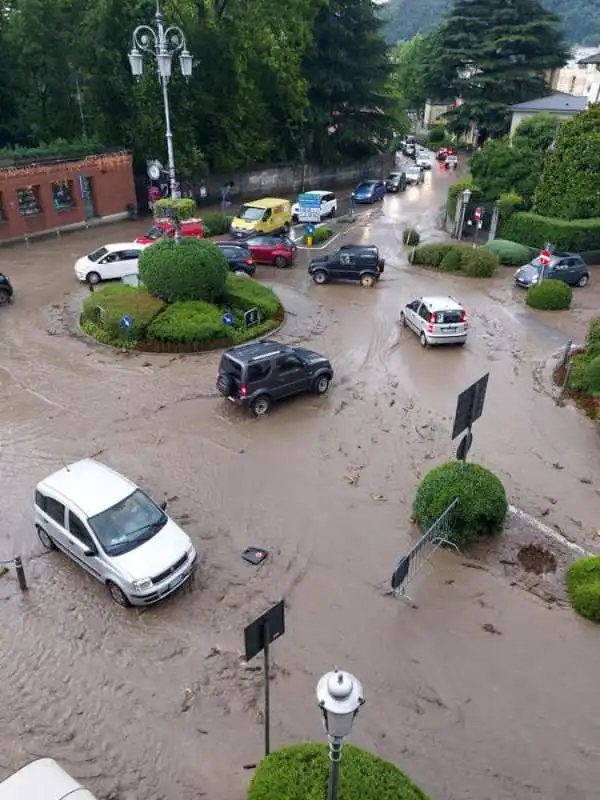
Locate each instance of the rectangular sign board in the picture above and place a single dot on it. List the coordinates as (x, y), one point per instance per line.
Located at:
(309, 200)
(264, 630)
(309, 214)
(469, 406)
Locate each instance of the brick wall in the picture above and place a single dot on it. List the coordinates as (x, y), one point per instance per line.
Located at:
(110, 177)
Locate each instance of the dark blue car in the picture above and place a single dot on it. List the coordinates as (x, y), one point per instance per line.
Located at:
(369, 192)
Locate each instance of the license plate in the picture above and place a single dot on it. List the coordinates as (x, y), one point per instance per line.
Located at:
(449, 329)
(176, 582)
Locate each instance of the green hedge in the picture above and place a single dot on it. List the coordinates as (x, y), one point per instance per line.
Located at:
(321, 234)
(185, 208)
(455, 189)
(476, 262)
(549, 295)
(189, 321)
(450, 262)
(583, 586)
(593, 334)
(104, 309)
(592, 376)
(216, 223)
(300, 772)
(511, 254)
(410, 237)
(482, 503)
(508, 204)
(244, 293)
(565, 235)
(191, 270)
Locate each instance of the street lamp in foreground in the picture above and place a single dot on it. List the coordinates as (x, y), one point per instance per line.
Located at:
(162, 43)
(340, 696)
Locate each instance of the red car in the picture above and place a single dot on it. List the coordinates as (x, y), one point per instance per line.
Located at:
(165, 229)
(267, 249)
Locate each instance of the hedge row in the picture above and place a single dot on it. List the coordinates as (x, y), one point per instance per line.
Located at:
(511, 254)
(476, 262)
(575, 235)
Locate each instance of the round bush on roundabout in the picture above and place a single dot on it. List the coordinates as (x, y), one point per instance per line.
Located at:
(300, 772)
(583, 586)
(481, 507)
(549, 295)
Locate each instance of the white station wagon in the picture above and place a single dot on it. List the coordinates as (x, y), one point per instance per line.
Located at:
(109, 262)
(115, 531)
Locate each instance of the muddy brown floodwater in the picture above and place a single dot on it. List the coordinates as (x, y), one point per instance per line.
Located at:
(483, 692)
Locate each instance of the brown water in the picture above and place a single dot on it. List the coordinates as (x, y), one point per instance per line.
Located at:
(156, 703)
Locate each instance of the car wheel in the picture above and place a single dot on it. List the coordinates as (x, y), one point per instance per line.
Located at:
(93, 278)
(332, 213)
(402, 319)
(368, 281)
(261, 405)
(583, 281)
(118, 595)
(225, 385)
(286, 228)
(4, 297)
(47, 542)
(321, 384)
(423, 340)
(280, 262)
(320, 277)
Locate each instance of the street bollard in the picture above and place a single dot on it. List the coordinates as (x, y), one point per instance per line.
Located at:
(21, 579)
(309, 241)
(568, 371)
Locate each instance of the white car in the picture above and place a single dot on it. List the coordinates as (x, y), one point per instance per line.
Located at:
(328, 205)
(109, 262)
(414, 175)
(436, 320)
(115, 531)
(424, 160)
(451, 161)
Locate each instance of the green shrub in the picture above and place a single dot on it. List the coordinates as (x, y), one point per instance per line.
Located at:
(577, 378)
(508, 204)
(455, 189)
(100, 334)
(511, 254)
(320, 234)
(192, 270)
(481, 507)
(591, 376)
(216, 223)
(549, 295)
(583, 586)
(347, 218)
(106, 307)
(189, 321)
(300, 772)
(243, 293)
(411, 237)
(566, 235)
(431, 255)
(437, 134)
(478, 262)
(185, 208)
(593, 334)
(451, 261)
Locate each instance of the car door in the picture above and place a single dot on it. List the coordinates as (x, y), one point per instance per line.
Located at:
(291, 376)
(110, 266)
(83, 548)
(129, 262)
(575, 269)
(258, 248)
(346, 266)
(421, 318)
(410, 314)
(52, 519)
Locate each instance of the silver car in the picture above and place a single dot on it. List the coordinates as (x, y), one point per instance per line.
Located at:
(436, 320)
(414, 175)
(115, 531)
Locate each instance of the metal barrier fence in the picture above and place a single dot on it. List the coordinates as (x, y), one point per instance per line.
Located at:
(411, 565)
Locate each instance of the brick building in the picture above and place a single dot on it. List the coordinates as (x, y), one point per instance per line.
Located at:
(52, 195)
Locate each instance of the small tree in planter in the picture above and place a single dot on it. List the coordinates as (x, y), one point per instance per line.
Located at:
(410, 237)
(181, 209)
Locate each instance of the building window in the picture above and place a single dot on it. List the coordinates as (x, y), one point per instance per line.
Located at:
(29, 201)
(62, 195)
(2, 212)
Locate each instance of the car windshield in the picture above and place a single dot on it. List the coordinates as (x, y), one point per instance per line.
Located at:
(364, 187)
(393, 176)
(250, 213)
(413, 171)
(157, 232)
(128, 524)
(97, 254)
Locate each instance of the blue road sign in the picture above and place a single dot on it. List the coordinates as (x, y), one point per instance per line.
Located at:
(309, 200)
(126, 322)
(228, 318)
(309, 229)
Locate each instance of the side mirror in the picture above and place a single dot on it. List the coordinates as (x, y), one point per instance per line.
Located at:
(163, 506)
(90, 552)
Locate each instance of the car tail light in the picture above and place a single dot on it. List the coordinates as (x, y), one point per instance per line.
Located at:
(248, 261)
(244, 390)
(463, 316)
(431, 323)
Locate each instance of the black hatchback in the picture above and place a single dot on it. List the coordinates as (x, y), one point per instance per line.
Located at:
(6, 290)
(238, 257)
(566, 267)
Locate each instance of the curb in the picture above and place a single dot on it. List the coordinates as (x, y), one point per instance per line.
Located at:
(547, 531)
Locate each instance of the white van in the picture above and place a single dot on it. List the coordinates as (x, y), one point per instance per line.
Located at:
(43, 779)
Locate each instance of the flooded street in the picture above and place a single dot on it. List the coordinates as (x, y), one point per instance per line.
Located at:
(157, 704)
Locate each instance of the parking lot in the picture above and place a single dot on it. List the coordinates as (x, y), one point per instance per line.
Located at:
(158, 703)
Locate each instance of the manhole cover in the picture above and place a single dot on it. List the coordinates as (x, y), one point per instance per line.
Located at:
(534, 558)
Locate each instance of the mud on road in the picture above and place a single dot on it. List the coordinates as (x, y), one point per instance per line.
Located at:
(158, 703)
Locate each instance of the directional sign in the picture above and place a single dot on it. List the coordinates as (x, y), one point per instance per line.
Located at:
(469, 406)
(126, 322)
(309, 200)
(252, 317)
(309, 207)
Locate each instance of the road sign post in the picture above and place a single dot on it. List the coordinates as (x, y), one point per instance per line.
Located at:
(469, 407)
(258, 637)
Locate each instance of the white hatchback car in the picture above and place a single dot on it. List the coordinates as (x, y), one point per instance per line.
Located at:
(424, 160)
(436, 320)
(109, 262)
(328, 204)
(112, 529)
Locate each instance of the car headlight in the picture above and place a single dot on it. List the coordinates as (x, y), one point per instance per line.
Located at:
(535, 279)
(141, 586)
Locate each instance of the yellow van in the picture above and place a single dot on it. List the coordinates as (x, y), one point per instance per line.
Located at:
(269, 215)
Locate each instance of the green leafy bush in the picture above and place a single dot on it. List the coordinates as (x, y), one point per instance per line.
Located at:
(455, 189)
(244, 294)
(216, 223)
(106, 307)
(511, 254)
(347, 218)
(549, 295)
(189, 321)
(185, 208)
(593, 334)
(320, 234)
(192, 270)
(583, 586)
(410, 237)
(451, 261)
(577, 235)
(56, 149)
(591, 376)
(481, 507)
(508, 204)
(300, 772)
(478, 262)
(437, 134)
(431, 255)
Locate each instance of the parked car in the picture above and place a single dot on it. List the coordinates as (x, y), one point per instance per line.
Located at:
(276, 250)
(395, 182)
(369, 192)
(414, 175)
(42, 779)
(436, 320)
(424, 160)
(238, 257)
(442, 153)
(328, 204)
(6, 290)
(451, 161)
(268, 215)
(165, 229)
(109, 262)
(111, 528)
(257, 374)
(352, 262)
(567, 267)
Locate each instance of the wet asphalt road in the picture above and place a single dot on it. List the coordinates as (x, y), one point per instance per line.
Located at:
(157, 704)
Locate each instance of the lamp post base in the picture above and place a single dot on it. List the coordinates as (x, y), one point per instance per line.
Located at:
(335, 755)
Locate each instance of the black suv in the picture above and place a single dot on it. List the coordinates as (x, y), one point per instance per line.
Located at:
(6, 290)
(258, 373)
(352, 262)
(395, 182)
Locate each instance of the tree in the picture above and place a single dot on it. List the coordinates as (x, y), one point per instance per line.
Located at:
(492, 56)
(537, 132)
(409, 64)
(570, 184)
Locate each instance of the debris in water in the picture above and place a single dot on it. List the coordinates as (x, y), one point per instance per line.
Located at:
(491, 629)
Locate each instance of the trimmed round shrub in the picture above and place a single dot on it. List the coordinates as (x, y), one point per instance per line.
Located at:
(593, 334)
(481, 507)
(185, 208)
(431, 255)
(320, 234)
(591, 376)
(477, 262)
(451, 261)
(216, 223)
(192, 270)
(411, 237)
(583, 586)
(300, 772)
(189, 321)
(549, 295)
(511, 254)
